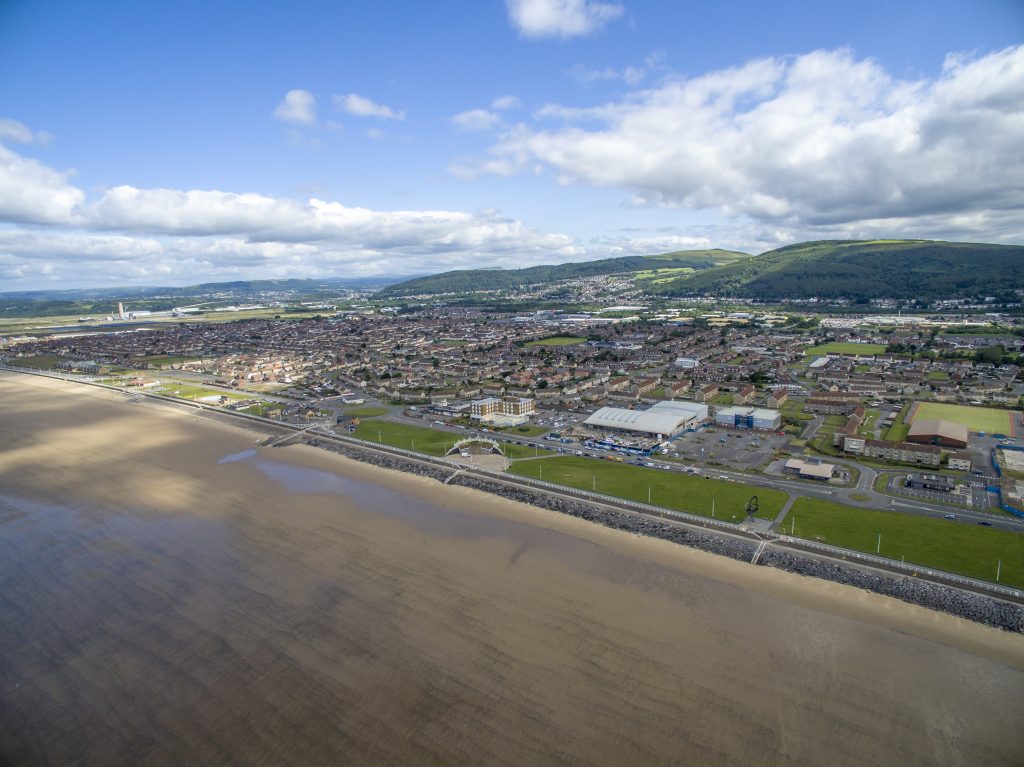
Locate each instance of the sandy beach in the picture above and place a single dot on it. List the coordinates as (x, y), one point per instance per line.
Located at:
(171, 593)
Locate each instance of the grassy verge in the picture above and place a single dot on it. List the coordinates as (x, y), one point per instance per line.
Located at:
(945, 545)
(523, 451)
(672, 490)
(366, 412)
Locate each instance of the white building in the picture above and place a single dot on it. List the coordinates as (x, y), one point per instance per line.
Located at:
(662, 420)
(506, 411)
(749, 418)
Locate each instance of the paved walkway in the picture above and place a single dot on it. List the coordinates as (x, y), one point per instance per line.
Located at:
(784, 511)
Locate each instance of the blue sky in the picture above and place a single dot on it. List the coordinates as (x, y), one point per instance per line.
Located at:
(171, 143)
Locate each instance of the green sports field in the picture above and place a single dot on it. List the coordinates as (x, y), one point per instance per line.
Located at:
(837, 347)
(966, 549)
(557, 341)
(986, 419)
(672, 490)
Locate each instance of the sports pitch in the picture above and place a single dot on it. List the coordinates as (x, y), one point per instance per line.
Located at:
(976, 419)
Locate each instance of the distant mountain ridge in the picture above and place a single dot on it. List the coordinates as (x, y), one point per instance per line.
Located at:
(468, 280)
(863, 269)
(853, 269)
(238, 287)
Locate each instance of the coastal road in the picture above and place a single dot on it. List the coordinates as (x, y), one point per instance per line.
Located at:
(794, 487)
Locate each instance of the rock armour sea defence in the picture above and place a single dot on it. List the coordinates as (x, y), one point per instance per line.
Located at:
(973, 607)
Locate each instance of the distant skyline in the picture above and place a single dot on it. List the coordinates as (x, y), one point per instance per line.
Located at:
(187, 142)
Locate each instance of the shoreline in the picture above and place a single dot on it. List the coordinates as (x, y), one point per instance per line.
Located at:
(715, 551)
(173, 592)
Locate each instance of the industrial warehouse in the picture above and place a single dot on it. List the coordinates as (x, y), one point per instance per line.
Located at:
(662, 420)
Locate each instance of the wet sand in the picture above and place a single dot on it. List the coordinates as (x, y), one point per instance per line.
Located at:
(171, 594)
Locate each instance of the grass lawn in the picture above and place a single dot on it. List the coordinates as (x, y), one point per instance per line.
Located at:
(867, 429)
(898, 431)
(160, 359)
(663, 275)
(937, 375)
(945, 545)
(985, 419)
(37, 362)
(528, 430)
(187, 391)
(416, 438)
(524, 451)
(837, 347)
(557, 341)
(366, 412)
(672, 490)
(260, 408)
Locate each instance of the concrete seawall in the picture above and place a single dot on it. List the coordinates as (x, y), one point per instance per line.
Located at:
(973, 607)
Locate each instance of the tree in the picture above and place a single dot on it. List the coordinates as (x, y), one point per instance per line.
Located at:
(990, 354)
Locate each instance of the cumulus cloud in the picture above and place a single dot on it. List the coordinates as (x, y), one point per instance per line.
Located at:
(359, 106)
(560, 18)
(477, 120)
(19, 133)
(132, 235)
(31, 192)
(822, 140)
(480, 120)
(298, 106)
(505, 103)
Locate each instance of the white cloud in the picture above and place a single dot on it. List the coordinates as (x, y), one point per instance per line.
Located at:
(505, 103)
(298, 106)
(31, 192)
(359, 106)
(480, 120)
(631, 75)
(132, 235)
(817, 140)
(477, 120)
(19, 133)
(560, 18)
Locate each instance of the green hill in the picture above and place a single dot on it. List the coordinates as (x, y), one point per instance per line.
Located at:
(469, 280)
(863, 269)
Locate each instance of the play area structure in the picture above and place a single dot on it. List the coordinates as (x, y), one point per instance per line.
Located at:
(464, 447)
